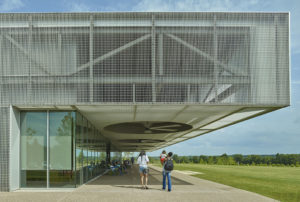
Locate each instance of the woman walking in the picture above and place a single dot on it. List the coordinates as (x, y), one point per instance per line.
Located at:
(167, 169)
(143, 161)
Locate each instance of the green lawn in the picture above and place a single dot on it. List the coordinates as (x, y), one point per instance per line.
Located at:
(281, 183)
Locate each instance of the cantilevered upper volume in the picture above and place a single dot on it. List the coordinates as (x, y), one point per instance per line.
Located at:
(147, 80)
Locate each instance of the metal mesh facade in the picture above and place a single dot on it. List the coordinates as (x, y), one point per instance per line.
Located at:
(213, 58)
(51, 59)
(4, 149)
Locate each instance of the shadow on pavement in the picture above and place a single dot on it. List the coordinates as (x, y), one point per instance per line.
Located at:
(131, 177)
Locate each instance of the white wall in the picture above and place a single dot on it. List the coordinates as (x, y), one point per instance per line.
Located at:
(14, 162)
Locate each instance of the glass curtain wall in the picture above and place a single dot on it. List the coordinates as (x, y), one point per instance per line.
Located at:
(90, 151)
(59, 149)
(116, 156)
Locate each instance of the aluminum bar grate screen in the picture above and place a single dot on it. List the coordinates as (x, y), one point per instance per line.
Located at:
(211, 58)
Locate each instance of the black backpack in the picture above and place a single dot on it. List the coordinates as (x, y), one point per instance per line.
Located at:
(169, 165)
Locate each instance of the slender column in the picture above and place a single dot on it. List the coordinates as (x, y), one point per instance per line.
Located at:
(91, 59)
(215, 41)
(1, 63)
(189, 92)
(29, 97)
(249, 75)
(48, 151)
(160, 54)
(134, 112)
(1, 67)
(277, 58)
(133, 93)
(108, 153)
(252, 64)
(60, 53)
(73, 146)
(153, 60)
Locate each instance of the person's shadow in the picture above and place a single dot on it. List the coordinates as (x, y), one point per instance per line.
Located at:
(132, 179)
(135, 187)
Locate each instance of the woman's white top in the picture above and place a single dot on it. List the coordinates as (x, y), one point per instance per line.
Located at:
(143, 160)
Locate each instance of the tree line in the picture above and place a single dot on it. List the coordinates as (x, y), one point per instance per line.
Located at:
(239, 159)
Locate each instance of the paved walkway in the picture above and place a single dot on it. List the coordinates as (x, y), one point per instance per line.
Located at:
(127, 188)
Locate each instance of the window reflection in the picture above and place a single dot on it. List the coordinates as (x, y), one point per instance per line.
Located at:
(61, 164)
(33, 149)
(77, 151)
(90, 151)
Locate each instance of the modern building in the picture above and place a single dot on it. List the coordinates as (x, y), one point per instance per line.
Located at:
(76, 89)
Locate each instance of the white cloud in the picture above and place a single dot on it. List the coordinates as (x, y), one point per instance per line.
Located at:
(296, 82)
(195, 5)
(78, 7)
(10, 5)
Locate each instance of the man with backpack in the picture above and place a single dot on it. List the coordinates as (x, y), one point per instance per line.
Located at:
(167, 169)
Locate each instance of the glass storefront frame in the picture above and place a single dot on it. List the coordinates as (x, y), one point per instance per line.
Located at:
(81, 138)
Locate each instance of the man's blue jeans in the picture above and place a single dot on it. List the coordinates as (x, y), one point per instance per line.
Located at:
(167, 175)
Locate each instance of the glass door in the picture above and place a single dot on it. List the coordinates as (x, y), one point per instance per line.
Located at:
(34, 149)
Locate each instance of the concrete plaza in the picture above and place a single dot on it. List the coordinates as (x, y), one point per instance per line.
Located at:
(127, 188)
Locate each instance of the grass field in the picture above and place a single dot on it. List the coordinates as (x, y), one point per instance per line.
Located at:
(281, 183)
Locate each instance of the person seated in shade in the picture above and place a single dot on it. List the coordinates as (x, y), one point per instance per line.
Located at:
(115, 168)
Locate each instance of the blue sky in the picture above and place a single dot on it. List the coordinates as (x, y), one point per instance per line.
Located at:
(278, 131)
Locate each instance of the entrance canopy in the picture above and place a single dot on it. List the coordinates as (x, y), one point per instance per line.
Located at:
(150, 127)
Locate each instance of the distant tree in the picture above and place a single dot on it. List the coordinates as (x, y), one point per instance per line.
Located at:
(246, 160)
(203, 158)
(215, 159)
(292, 159)
(65, 125)
(254, 159)
(127, 155)
(102, 156)
(222, 160)
(195, 159)
(277, 159)
(185, 159)
(202, 161)
(266, 160)
(176, 158)
(224, 155)
(210, 160)
(238, 158)
(231, 161)
(80, 156)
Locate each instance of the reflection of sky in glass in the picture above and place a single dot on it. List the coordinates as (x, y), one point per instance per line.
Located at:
(36, 121)
(60, 132)
(55, 121)
(33, 140)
